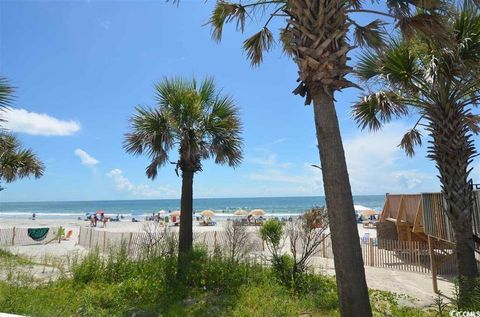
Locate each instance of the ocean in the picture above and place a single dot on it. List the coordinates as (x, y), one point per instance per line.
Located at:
(274, 206)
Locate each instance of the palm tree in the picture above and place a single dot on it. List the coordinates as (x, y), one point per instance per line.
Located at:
(15, 162)
(196, 120)
(439, 82)
(315, 35)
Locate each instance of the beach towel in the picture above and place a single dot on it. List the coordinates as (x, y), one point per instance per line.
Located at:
(38, 234)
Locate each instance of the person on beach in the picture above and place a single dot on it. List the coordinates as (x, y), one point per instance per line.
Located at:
(33, 216)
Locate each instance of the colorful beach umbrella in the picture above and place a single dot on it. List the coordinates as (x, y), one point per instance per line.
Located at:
(175, 213)
(257, 212)
(240, 212)
(208, 213)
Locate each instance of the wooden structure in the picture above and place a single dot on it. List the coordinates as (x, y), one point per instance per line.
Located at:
(418, 216)
(422, 217)
(406, 212)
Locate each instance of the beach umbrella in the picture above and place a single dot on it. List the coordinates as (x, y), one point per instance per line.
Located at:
(368, 213)
(162, 212)
(208, 213)
(257, 212)
(240, 212)
(99, 212)
(175, 213)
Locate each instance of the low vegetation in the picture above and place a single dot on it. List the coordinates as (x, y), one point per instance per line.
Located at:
(215, 285)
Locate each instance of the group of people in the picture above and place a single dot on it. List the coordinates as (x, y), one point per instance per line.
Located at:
(94, 220)
(251, 219)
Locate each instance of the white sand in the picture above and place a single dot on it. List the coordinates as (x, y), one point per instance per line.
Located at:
(413, 284)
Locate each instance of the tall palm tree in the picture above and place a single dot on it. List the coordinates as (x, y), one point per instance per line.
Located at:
(197, 121)
(315, 35)
(15, 162)
(440, 82)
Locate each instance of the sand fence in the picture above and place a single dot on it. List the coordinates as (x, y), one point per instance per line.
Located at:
(21, 236)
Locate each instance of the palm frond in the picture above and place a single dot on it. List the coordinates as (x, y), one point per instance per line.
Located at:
(224, 128)
(226, 12)
(399, 65)
(257, 44)
(425, 24)
(473, 123)
(286, 36)
(151, 134)
(370, 35)
(367, 66)
(411, 139)
(207, 91)
(6, 95)
(376, 109)
(16, 162)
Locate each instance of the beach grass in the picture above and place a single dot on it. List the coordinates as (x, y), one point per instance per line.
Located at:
(115, 285)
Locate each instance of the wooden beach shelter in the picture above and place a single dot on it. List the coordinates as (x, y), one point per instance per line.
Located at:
(422, 217)
(419, 216)
(402, 218)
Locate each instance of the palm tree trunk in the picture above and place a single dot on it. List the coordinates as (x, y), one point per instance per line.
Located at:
(350, 274)
(452, 151)
(186, 221)
(467, 265)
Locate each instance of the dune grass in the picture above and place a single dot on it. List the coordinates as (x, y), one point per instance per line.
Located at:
(115, 285)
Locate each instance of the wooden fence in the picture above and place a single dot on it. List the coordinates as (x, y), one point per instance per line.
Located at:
(412, 256)
(19, 236)
(136, 242)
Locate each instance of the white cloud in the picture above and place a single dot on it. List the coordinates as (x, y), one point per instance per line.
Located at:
(86, 158)
(377, 165)
(123, 184)
(21, 120)
(268, 159)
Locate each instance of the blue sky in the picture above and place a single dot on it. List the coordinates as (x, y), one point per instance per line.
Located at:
(81, 67)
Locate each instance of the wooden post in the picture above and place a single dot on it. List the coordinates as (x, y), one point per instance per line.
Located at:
(13, 236)
(90, 240)
(214, 239)
(130, 242)
(370, 245)
(433, 265)
(79, 235)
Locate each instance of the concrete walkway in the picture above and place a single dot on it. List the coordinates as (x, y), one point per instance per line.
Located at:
(416, 285)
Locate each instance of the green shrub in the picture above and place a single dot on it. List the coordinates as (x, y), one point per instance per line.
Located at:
(283, 268)
(271, 232)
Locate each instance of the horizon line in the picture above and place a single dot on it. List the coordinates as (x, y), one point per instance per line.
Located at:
(155, 199)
